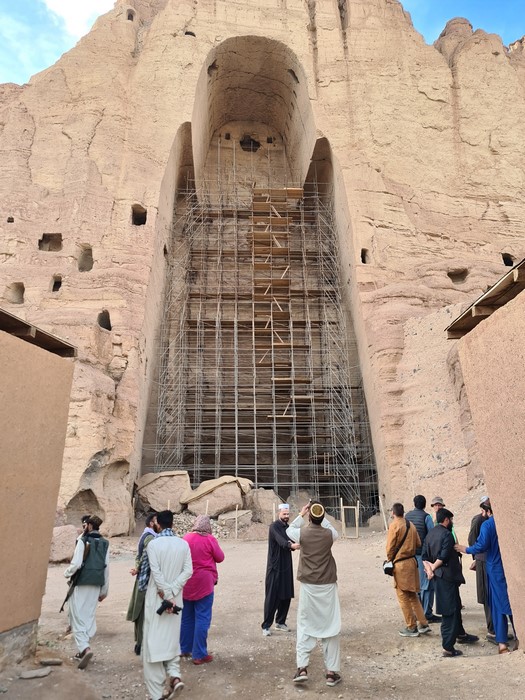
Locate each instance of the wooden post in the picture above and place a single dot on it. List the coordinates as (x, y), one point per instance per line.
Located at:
(382, 509)
(169, 504)
(357, 520)
(207, 503)
(343, 524)
(273, 510)
(236, 519)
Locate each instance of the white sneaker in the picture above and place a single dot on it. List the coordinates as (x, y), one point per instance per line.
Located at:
(282, 627)
(267, 632)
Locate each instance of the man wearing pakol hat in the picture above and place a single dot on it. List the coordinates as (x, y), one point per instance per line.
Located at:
(479, 565)
(279, 574)
(318, 614)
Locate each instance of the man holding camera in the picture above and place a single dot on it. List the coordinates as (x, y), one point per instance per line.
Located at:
(170, 566)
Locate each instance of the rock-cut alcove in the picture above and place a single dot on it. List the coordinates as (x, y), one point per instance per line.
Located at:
(253, 376)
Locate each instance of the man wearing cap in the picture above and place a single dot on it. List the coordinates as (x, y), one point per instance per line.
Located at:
(498, 594)
(479, 565)
(279, 574)
(443, 565)
(318, 614)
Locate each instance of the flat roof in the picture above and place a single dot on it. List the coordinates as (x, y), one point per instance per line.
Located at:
(31, 334)
(503, 291)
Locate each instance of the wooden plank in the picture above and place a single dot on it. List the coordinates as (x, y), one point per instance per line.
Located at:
(483, 310)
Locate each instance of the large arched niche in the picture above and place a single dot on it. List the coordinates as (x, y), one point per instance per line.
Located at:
(252, 80)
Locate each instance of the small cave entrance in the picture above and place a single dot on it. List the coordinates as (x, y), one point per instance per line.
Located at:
(139, 215)
(508, 259)
(83, 503)
(56, 283)
(85, 259)
(249, 144)
(50, 242)
(15, 293)
(458, 275)
(104, 320)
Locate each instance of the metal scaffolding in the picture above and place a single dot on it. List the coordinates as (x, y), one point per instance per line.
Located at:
(254, 375)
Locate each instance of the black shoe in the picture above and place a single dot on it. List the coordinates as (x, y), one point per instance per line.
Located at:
(467, 639)
(434, 618)
(137, 649)
(452, 652)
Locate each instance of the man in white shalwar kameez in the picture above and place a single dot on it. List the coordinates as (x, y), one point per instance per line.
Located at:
(91, 561)
(170, 565)
(318, 614)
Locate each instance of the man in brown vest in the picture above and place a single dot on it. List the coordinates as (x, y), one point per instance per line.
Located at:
(318, 614)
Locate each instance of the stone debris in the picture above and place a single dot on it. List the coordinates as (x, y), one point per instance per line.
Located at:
(63, 543)
(163, 490)
(37, 673)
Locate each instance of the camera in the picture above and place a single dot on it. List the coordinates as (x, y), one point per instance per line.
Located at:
(167, 605)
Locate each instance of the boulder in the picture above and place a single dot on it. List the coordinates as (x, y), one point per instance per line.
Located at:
(160, 490)
(63, 543)
(244, 517)
(221, 499)
(263, 503)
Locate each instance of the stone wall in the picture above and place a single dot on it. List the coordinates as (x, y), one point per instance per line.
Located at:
(34, 396)
(492, 358)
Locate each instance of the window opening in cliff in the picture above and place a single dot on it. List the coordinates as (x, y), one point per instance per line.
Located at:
(56, 283)
(10, 220)
(508, 259)
(85, 259)
(103, 320)
(165, 252)
(15, 292)
(227, 136)
(131, 16)
(269, 139)
(189, 34)
(50, 242)
(458, 275)
(249, 144)
(365, 256)
(139, 215)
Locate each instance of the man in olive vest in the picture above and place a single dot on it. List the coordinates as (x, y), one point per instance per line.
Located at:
(90, 570)
(318, 613)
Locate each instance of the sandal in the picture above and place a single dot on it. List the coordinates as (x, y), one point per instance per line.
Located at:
(175, 686)
(333, 678)
(84, 658)
(301, 675)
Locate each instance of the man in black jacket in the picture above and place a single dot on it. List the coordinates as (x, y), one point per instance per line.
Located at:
(443, 565)
(279, 573)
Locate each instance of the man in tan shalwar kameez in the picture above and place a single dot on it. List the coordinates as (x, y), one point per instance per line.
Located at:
(406, 575)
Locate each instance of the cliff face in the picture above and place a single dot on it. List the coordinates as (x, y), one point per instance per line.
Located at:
(427, 152)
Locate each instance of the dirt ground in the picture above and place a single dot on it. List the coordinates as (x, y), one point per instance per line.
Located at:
(376, 661)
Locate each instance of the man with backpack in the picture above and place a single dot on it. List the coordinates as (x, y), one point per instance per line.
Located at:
(89, 572)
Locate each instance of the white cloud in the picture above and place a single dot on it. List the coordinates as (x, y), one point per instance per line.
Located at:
(78, 15)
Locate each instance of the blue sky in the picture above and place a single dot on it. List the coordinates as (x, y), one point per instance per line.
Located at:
(35, 33)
